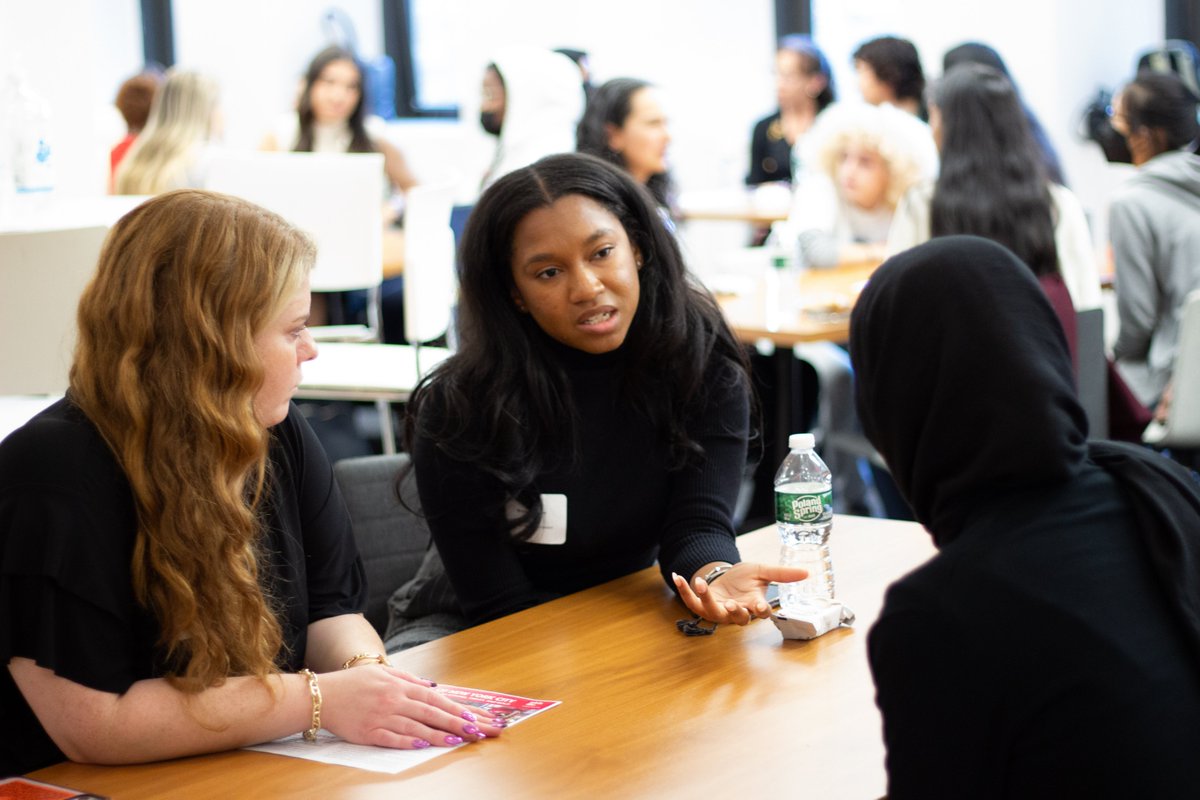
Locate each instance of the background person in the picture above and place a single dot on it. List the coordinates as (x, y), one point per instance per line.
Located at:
(889, 71)
(861, 159)
(331, 117)
(173, 546)
(169, 153)
(803, 88)
(532, 100)
(992, 183)
(979, 53)
(134, 99)
(625, 124)
(1051, 647)
(1154, 225)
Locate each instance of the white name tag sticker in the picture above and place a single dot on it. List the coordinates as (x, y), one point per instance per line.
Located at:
(553, 529)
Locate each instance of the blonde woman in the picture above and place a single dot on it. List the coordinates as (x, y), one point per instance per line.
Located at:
(168, 154)
(177, 568)
(859, 160)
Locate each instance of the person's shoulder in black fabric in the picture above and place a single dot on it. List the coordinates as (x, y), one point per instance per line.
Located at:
(770, 154)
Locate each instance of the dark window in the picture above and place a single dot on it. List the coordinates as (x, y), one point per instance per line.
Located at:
(419, 37)
(158, 33)
(792, 16)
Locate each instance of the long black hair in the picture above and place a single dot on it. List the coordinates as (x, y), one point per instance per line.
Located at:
(360, 142)
(502, 402)
(1161, 102)
(611, 104)
(992, 181)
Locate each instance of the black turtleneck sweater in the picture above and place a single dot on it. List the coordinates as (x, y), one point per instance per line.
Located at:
(625, 505)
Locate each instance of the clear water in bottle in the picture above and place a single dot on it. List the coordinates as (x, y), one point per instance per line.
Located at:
(804, 517)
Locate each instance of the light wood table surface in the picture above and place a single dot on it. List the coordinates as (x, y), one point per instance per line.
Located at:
(817, 293)
(734, 205)
(647, 712)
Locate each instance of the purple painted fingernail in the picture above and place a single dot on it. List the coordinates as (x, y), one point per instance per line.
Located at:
(468, 716)
(420, 744)
(431, 683)
(454, 739)
(471, 730)
(499, 723)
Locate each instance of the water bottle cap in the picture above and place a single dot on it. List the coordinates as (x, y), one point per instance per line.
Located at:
(802, 441)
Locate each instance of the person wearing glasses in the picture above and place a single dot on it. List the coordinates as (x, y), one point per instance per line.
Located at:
(597, 414)
(177, 569)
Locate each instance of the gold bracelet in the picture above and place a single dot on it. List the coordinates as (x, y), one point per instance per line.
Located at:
(376, 657)
(311, 734)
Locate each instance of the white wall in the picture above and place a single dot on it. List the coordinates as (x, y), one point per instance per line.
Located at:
(74, 56)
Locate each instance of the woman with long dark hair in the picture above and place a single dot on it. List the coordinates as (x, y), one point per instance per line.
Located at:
(597, 413)
(177, 570)
(993, 184)
(331, 117)
(625, 124)
(979, 53)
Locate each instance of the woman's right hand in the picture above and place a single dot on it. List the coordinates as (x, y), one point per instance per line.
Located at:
(387, 707)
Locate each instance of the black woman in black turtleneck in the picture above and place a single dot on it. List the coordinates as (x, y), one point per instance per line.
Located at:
(597, 414)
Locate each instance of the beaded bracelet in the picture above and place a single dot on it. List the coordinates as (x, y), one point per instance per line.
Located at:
(376, 657)
(311, 734)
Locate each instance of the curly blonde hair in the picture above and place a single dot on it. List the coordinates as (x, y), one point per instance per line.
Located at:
(181, 120)
(165, 367)
(903, 142)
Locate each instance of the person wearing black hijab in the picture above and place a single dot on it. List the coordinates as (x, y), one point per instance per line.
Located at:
(1052, 647)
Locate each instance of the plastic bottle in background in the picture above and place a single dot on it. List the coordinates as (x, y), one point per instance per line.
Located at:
(780, 287)
(804, 517)
(28, 134)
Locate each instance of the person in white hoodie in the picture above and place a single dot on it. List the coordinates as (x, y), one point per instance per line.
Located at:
(532, 102)
(1154, 225)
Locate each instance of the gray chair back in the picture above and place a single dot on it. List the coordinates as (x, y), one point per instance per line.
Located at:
(391, 539)
(1091, 371)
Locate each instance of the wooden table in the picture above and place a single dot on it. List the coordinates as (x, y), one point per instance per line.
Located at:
(753, 316)
(735, 205)
(646, 712)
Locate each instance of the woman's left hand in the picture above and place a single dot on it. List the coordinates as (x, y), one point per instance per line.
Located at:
(739, 596)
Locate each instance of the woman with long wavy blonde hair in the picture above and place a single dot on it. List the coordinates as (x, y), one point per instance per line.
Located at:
(177, 569)
(183, 118)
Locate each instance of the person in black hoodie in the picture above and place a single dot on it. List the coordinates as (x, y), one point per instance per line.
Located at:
(1051, 648)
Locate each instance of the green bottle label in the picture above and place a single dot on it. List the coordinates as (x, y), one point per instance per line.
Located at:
(802, 509)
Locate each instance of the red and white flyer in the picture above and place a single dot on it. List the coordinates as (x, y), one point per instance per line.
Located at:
(329, 749)
(509, 707)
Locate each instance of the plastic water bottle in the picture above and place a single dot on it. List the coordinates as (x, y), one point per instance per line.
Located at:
(804, 516)
(780, 278)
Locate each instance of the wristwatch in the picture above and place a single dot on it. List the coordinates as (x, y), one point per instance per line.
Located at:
(716, 572)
